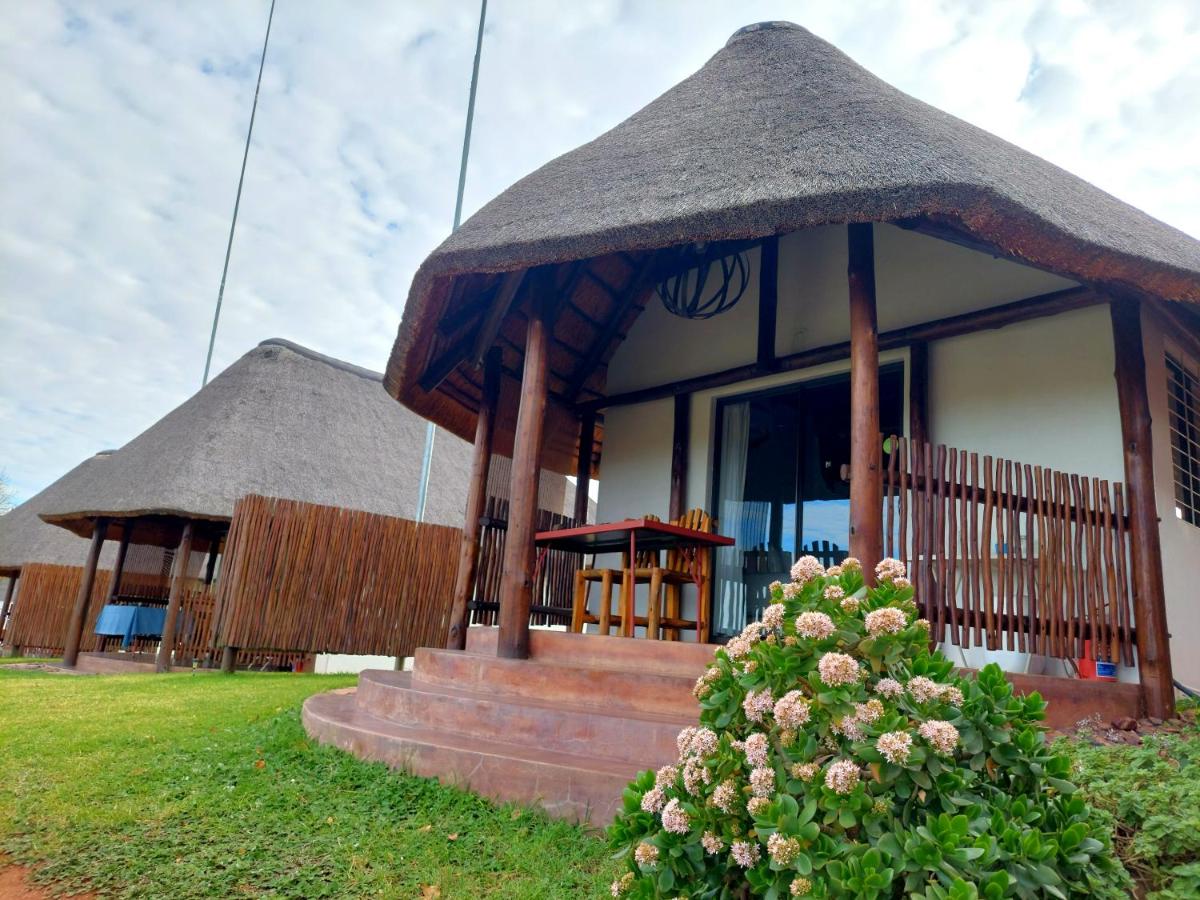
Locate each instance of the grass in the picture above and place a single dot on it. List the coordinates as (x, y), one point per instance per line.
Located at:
(188, 787)
(18, 660)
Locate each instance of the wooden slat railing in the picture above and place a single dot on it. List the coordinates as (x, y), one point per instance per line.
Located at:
(1011, 556)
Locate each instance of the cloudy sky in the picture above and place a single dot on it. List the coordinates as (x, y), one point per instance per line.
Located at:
(123, 126)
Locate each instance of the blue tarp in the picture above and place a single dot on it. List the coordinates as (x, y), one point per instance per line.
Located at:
(128, 622)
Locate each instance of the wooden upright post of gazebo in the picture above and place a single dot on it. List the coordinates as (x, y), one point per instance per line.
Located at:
(866, 485)
(1149, 600)
(468, 555)
(8, 596)
(79, 612)
(182, 558)
(516, 582)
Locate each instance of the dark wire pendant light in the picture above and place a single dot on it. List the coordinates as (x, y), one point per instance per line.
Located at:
(704, 286)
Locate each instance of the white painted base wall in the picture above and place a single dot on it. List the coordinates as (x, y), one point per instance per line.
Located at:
(345, 664)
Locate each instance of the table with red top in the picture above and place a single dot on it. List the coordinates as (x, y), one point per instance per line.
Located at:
(630, 536)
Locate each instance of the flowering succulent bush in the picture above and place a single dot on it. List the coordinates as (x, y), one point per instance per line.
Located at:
(836, 756)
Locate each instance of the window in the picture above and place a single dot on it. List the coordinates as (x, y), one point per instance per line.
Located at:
(1183, 417)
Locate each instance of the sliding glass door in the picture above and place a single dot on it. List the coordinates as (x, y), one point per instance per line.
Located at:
(781, 488)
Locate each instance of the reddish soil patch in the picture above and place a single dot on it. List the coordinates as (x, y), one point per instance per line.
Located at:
(15, 884)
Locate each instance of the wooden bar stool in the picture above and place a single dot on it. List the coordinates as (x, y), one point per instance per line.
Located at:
(646, 563)
(683, 567)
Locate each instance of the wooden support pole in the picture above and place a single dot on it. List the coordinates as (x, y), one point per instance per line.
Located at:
(583, 469)
(481, 460)
(866, 483)
(114, 583)
(516, 582)
(768, 301)
(681, 432)
(228, 660)
(1149, 602)
(8, 595)
(182, 557)
(82, 600)
(918, 392)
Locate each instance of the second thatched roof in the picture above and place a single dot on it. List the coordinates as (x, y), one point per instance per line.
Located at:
(283, 421)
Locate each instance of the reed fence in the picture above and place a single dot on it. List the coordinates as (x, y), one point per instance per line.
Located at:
(1011, 556)
(301, 577)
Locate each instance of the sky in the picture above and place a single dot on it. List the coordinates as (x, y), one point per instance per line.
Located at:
(123, 129)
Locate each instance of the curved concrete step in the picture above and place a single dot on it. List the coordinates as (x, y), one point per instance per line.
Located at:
(612, 690)
(569, 786)
(646, 740)
(682, 658)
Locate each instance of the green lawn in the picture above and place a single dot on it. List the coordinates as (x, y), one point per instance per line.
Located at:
(183, 786)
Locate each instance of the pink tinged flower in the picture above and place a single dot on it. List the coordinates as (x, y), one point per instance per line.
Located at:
(783, 850)
(665, 777)
(646, 855)
(711, 843)
(815, 625)
(942, 736)
(737, 647)
(888, 569)
(705, 681)
(848, 728)
(841, 776)
(695, 775)
(806, 569)
(849, 605)
(851, 564)
(757, 704)
(923, 624)
(901, 582)
(683, 740)
(725, 797)
(805, 771)
(774, 587)
(868, 712)
(889, 687)
(674, 819)
(755, 747)
(833, 592)
(800, 887)
(838, 669)
(745, 854)
(791, 591)
(757, 805)
(923, 689)
(653, 800)
(762, 781)
(792, 710)
(772, 616)
(952, 695)
(622, 885)
(888, 620)
(894, 746)
(834, 571)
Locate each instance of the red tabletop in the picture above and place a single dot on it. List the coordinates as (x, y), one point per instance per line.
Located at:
(614, 537)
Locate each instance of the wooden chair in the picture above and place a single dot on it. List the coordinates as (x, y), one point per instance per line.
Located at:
(606, 619)
(667, 583)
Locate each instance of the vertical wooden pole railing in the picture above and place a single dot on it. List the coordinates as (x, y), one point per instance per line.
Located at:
(79, 613)
(1008, 555)
(866, 489)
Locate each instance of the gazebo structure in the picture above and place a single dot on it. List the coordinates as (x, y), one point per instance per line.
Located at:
(282, 421)
(26, 540)
(787, 257)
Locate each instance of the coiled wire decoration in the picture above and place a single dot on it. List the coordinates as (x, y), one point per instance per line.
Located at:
(704, 286)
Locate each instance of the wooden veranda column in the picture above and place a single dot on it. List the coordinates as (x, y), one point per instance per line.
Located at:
(516, 582)
(182, 557)
(680, 439)
(82, 600)
(866, 484)
(583, 468)
(1149, 601)
(8, 595)
(114, 581)
(481, 461)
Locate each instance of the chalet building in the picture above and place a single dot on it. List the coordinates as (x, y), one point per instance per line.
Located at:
(837, 320)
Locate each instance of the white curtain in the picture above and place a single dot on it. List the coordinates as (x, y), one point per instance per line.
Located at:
(730, 614)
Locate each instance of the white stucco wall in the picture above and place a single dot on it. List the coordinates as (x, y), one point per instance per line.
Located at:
(1180, 540)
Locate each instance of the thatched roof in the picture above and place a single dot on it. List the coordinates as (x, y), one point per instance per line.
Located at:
(779, 131)
(283, 421)
(24, 538)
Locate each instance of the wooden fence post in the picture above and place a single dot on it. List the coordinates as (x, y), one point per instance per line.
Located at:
(182, 558)
(8, 595)
(516, 583)
(866, 480)
(1149, 602)
(84, 597)
(468, 555)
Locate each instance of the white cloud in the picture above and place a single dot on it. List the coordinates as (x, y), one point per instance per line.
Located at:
(124, 127)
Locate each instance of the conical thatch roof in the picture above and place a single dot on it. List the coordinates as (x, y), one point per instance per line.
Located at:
(25, 538)
(282, 421)
(778, 131)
